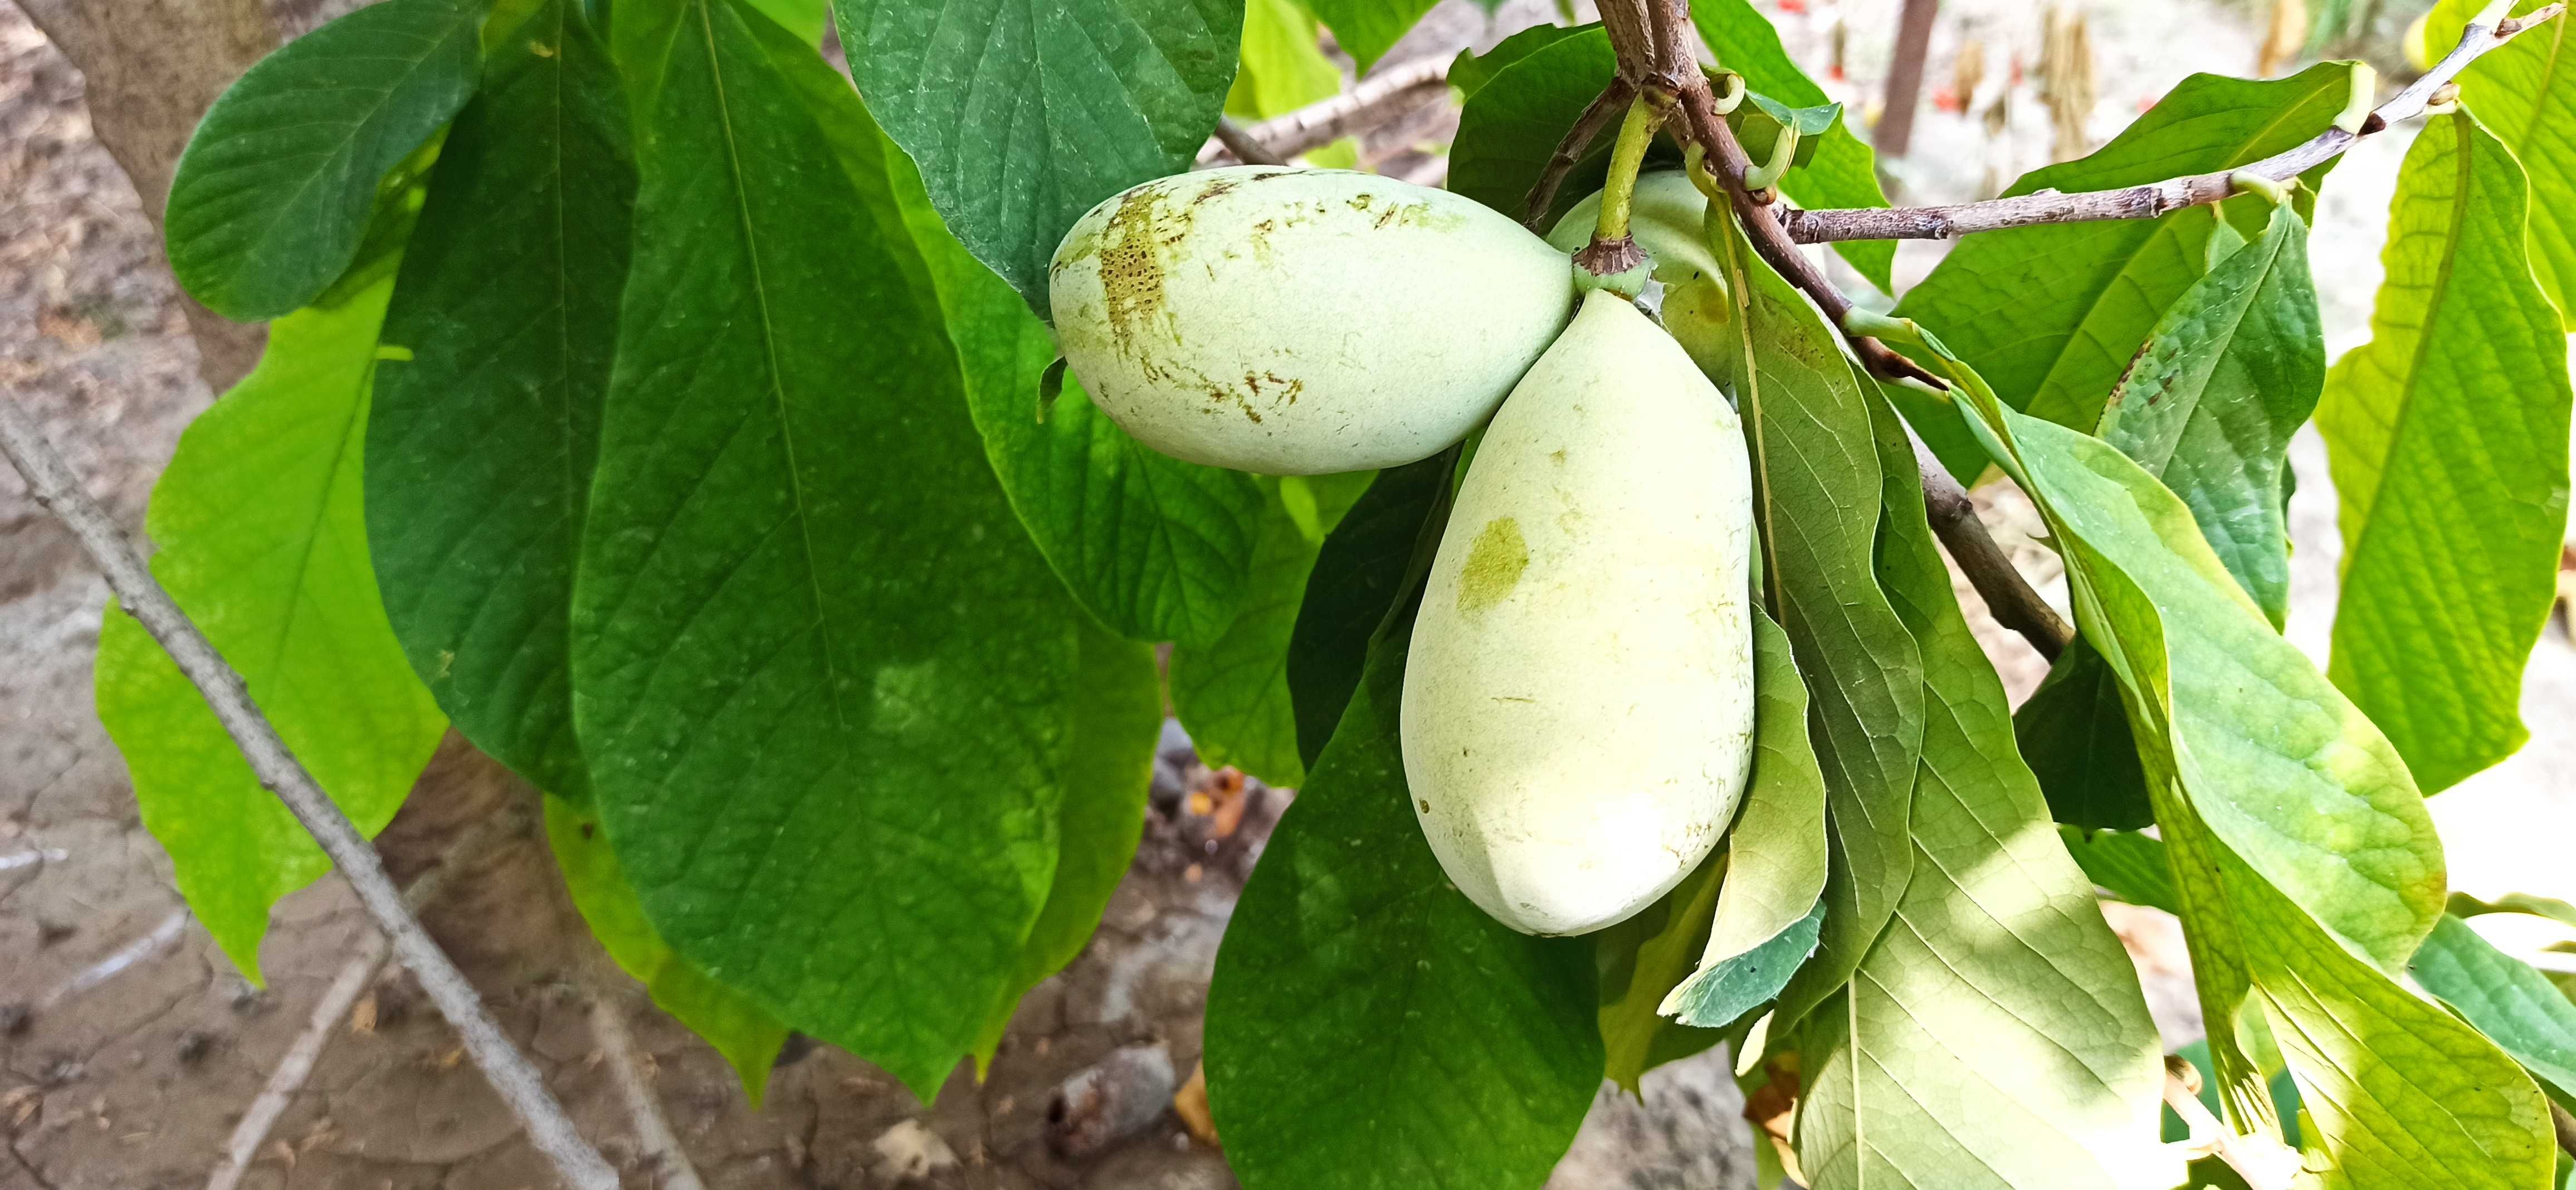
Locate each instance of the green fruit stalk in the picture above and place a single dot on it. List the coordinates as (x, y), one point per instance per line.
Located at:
(1302, 322)
(1668, 220)
(1578, 701)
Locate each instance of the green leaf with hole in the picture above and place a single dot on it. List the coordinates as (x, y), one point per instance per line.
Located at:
(1096, 97)
(1233, 693)
(2448, 438)
(748, 1038)
(2522, 93)
(1842, 171)
(1364, 565)
(2515, 1006)
(1117, 719)
(2052, 315)
(485, 422)
(274, 192)
(1155, 548)
(824, 679)
(1368, 1026)
(263, 543)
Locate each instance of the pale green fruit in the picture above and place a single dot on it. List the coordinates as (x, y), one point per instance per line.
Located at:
(1301, 322)
(1667, 218)
(1578, 701)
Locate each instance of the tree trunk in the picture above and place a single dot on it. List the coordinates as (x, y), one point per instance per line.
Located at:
(1905, 77)
(149, 69)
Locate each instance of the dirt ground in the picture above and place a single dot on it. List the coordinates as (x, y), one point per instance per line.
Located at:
(129, 1049)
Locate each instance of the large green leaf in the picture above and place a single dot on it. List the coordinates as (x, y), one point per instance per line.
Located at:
(1024, 113)
(2522, 93)
(486, 420)
(2515, 1006)
(2304, 863)
(1363, 567)
(1510, 126)
(1156, 548)
(1117, 718)
(822, 678)
(747, 1037)
(1368, 1026)
(1233, 694)
(263, 544)
(2052, 315)
(2074, 733)
(1818, 500)
(1367, 29)
(2448, 438)
(274, 192)
(1994, 1034)
(1776, 851)
(1843, 172)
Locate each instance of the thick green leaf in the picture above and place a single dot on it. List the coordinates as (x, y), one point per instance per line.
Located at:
(1641, 961)
(1117, 718)
(1994, 1035)
(747, 1037)
(2129, 865)
(264, 545)
(2052, 315)
(1362, 569)
(824, 680)
(1472, 70)
(2208, 406)
(1369, 1027)
(274, 193)
(1818, 500)
(1367, 29)
(1155, 548)
(485, 423)
(1843, 172)
(1776, 850)
(2514, 1005)
(2448, 438)
(2522, 93)
(1510, 126)
(1023, 114)
(1233, 694)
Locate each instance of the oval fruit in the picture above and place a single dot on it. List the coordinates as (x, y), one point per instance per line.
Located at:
(1578, 699)
(1667, 218)
(1301, 322)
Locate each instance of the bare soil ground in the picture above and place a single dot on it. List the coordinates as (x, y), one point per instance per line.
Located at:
(129, 1048)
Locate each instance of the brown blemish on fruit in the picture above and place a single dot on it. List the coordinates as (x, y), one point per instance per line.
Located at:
(1131, 269)
(1495, 562)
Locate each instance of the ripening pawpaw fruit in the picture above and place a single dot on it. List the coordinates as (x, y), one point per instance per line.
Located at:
(1667, 218)
(1301, 322)
(1578, 698)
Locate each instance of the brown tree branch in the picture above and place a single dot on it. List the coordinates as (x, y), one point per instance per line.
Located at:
(1243, 146)
(2154, 199)
(2008, 595)
(1578, 139)
(54, 486)
(1376, 99)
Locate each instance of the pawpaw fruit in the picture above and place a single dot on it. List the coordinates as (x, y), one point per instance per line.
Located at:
(1667, 217)
(1302, 322)
(1578, 698)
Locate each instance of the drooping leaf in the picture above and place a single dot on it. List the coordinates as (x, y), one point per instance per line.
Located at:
(263, 544)
(1155, 548)
(484, 431)
(1508, 128)
(2514, 1005)
(1640, 962)
(1096, 97)
(747, 1037)
(1994, 1035)
(1843, 172)
(2448, 438)
(1368, 1026)
(824, 679)
(2521, 93)
(2304, 864)
(1117, 718)
(274, 192)
(2208, 406)
(1367, 29)
(1776, 848)
(1818, 502)
(2052, 315)
(2129, 865)
(1359, 573)
(1233, 693)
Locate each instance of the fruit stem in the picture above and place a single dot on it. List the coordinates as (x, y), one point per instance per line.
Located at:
(1626, 157)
